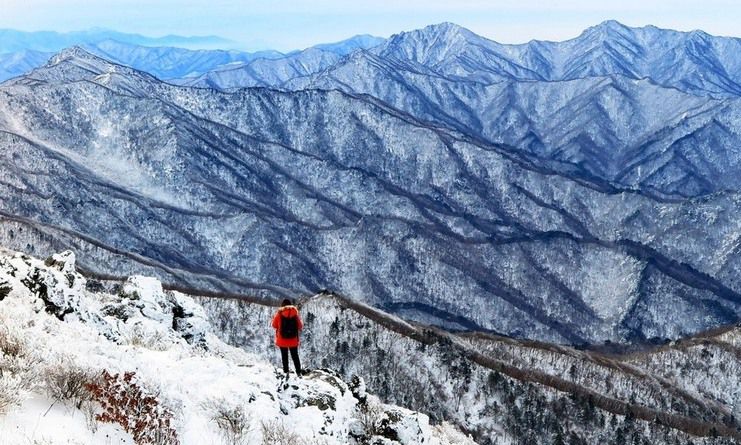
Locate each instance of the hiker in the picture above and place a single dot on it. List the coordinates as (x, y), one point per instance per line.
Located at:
(287, 324)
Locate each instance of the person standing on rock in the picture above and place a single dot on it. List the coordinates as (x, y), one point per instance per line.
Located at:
(288, 325)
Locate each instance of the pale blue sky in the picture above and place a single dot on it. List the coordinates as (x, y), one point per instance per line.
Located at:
(292, 24)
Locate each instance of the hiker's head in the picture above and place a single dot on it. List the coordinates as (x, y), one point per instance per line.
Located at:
(286, 302)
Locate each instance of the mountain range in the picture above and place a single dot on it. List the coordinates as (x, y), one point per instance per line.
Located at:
(287, 192)
(563, 208)
(588, 102)
(170, 58)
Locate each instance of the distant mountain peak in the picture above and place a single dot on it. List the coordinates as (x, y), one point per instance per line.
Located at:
(699, 35)
(611, 24)
(431, 44)
(77, 63)
(446, 27)
(447, 30)
(80, 58)
(364, 37)
(441, 31)
(72, 53)
(608, 28)
(347, 46)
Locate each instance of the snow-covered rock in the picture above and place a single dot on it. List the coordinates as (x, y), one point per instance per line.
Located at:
(57, 285)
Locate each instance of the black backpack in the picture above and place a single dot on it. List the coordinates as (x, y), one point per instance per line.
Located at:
(288, 327)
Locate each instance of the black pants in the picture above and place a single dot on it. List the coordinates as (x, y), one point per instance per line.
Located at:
(294, 356)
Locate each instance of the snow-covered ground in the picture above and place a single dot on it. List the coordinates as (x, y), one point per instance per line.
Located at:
(58, 337)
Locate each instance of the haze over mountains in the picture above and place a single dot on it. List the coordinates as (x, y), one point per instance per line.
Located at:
(576, 192)
(49, 41)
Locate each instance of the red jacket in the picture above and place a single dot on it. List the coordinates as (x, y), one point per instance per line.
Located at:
(288, 312)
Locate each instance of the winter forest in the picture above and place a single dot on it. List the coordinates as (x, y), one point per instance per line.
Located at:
(464, 241)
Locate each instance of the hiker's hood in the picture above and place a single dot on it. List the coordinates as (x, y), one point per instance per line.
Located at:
(288, 311)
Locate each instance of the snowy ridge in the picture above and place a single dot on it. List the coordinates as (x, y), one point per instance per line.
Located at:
(488, 385)
(689, 61)
(693, 62)
(55, 321)
(265, 72)
(345, 47)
